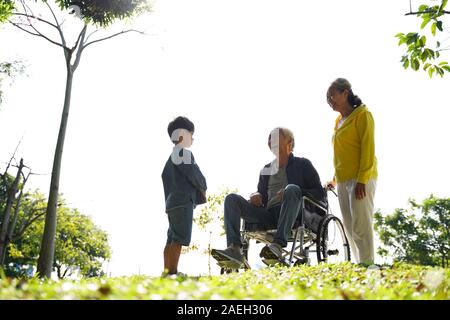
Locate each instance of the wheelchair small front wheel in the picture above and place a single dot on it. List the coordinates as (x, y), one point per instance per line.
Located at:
(228, 271)
(332, 243)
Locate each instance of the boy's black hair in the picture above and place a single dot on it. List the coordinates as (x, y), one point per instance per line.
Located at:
(180, 123)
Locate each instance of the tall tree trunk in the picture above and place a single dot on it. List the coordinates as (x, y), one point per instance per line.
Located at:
(47, 252)
(6, 217)
(11, 227)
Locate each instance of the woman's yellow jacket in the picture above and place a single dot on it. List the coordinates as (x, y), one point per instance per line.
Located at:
(354, 147)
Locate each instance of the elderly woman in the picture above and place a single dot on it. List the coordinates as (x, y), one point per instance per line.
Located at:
(355, 167)
(277, 202)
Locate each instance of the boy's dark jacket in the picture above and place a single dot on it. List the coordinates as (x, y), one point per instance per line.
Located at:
(300, 172)
(183, 183)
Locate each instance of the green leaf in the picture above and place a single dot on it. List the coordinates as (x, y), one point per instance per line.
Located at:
(426, 66)
(430, 72)
(433, 28)
(412, 34)
(402, 40)
(439, 26)
(423, 41)
(415, 64)
(425, 22)
(411, 37)
(406, 64)
(424, 56)
(446, 68)
(443, 4)
(431, 53)
(443, 63)
(399, 35)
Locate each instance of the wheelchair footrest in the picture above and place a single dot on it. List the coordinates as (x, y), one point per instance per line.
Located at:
(274, 262)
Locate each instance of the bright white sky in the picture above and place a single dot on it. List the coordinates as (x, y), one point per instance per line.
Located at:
(237, 69)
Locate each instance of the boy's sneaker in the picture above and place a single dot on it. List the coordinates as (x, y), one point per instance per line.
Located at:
(173, 275)
(231, 257)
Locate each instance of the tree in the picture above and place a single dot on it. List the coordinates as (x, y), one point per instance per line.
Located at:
(81, 245)
(6, 7)
(419, 235)
(9, 70)
(419, 52)
(94, 14)
(11, 191)
(210, 220)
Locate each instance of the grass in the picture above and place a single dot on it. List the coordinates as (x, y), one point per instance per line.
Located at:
(340, 281)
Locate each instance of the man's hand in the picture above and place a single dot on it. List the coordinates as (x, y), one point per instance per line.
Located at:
(256, 199)
(360, 191)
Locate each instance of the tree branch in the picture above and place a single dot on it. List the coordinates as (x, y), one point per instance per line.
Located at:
(33, 17)
(10, 160)
(24, 226)
(87, 38)
(26, 8)
(79, 37)
(426, 11)
(58, 271)
(80, 48)
(18, 202)
(61, 34)
(38, 34)
(112, 36)
(65, 272)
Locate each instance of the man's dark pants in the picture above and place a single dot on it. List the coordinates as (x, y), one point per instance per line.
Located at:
(282, 217)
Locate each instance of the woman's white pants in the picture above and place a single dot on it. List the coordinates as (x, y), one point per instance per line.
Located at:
(357, 217)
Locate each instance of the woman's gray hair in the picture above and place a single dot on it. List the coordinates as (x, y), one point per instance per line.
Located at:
(341, 84)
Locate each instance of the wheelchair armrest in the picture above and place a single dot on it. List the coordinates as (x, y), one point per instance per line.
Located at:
(318, 204)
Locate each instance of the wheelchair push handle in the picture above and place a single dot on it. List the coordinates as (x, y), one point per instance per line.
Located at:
(330, 187)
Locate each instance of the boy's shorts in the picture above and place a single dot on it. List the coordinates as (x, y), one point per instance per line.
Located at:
(180, 225)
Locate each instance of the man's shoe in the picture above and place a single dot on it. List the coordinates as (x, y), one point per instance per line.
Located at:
(272, 251)
(231, 258)
(272, 255)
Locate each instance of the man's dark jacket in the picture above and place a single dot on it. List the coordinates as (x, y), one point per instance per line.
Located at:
(183, 183)
(300, 172)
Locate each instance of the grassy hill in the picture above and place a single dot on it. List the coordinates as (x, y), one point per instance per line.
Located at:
(341, 281)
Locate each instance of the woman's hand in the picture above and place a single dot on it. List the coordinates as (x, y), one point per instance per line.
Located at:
(330, 185)
(360, 191)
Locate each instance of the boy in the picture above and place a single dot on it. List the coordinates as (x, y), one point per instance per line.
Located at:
(184, 188)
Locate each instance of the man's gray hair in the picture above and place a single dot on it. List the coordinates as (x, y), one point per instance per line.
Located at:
(287, 133)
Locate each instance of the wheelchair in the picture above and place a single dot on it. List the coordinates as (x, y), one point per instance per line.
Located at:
(316, 230)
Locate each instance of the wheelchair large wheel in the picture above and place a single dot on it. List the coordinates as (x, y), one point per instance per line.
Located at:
(332, 243)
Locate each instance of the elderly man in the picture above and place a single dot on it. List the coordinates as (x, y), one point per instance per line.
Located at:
(276, 204)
